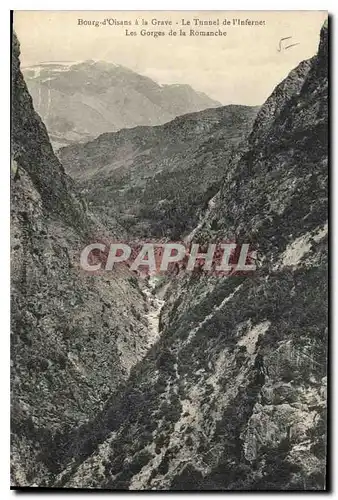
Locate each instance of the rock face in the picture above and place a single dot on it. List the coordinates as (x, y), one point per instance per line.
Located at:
(158, 180)
(74, 337)
(79, 101)
(232, 397)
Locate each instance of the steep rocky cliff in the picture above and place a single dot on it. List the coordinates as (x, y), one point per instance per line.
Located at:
(232, 397)
(74, 337)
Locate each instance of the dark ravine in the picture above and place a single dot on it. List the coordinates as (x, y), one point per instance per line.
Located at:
(79, 101)
(237, 401)
(232, 395)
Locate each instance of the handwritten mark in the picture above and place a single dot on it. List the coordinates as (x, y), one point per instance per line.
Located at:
(282, 46)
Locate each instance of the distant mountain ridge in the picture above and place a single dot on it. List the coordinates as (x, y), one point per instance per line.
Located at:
(80, 100)
(158, 180)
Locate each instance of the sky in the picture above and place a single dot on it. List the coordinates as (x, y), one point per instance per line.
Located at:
(242, 67)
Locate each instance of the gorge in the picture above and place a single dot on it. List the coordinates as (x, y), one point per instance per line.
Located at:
(185, 382)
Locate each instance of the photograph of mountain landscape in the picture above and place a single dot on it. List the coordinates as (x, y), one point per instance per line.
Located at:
(169, 250)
